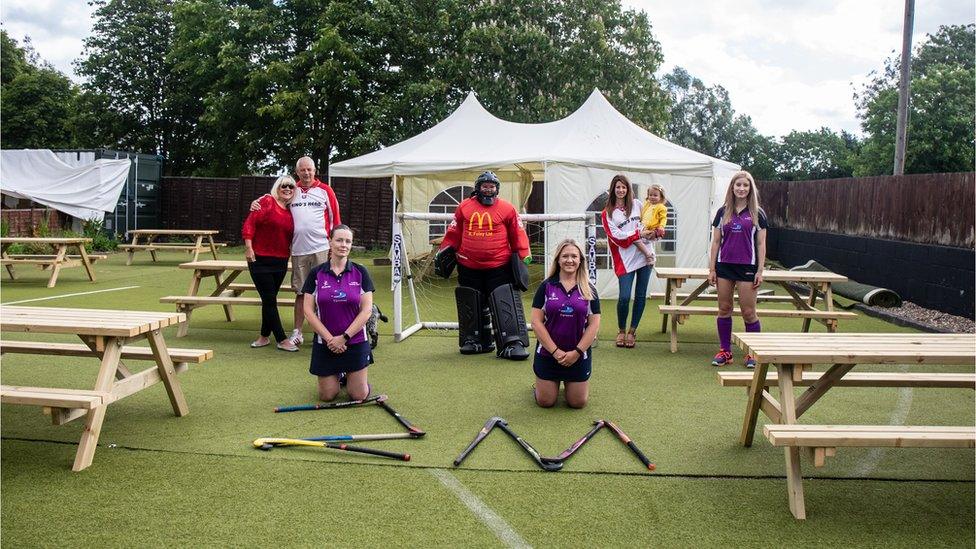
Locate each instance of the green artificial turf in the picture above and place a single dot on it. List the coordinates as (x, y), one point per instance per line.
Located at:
(158, 479)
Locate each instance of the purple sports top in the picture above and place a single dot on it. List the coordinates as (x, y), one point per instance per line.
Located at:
(337, 297)
(565, 313)
(739, 237)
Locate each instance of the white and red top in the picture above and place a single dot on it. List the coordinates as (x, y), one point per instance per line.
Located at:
(622, 231)
(273, 227)
(315, 211)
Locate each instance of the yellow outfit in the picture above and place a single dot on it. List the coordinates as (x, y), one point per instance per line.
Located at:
(654, 216)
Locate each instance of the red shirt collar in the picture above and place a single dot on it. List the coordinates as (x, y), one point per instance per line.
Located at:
(315, 183)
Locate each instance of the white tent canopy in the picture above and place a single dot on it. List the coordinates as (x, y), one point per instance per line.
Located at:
(85, 192)
(576, 157)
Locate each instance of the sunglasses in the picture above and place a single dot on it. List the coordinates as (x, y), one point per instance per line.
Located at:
(286, 186)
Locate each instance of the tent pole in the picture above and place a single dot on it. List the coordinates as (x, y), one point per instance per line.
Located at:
(394, 275)
(135, 186)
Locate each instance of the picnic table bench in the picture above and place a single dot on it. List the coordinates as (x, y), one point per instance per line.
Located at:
(104, 334)
(794, 353)
(226, 293)
(60, 259)
(819, 283)
(152, 246)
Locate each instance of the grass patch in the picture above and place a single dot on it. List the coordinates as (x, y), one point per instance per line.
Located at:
(707, 490)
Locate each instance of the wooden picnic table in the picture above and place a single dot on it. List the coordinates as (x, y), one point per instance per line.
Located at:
(149, 243)
(818, 282)
(793, 352)
(225, 293)
(104, 334)
(60, 259)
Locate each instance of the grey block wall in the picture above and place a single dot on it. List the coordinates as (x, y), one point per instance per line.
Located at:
(935, 277)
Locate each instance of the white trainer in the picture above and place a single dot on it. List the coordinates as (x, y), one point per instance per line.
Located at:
(296, 337)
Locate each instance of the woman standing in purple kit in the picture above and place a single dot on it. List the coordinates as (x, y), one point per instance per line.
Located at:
(566, 319)
(338, 302)
(736, 260)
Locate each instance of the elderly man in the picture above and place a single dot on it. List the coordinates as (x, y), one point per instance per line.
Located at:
(315, 211)
(484, 234)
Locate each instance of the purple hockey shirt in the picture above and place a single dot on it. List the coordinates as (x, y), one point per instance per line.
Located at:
(337, 297)
(565, 313)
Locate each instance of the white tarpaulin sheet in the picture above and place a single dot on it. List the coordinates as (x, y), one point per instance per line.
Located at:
(85, 192)
(575, 156)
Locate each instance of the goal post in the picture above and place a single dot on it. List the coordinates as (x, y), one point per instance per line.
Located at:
(401, 269)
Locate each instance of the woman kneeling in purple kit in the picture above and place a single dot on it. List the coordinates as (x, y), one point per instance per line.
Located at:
(566, 319)
(338, 302)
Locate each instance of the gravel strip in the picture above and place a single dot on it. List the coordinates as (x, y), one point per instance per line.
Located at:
(936, 320)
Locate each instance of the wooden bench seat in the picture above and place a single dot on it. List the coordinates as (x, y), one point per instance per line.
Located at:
(53, 398)
(221, 300)
(871, 436)
(170, 246)
(764, 296)
(861, 379)
(66, 261)
(238, 288)
(194, 356)
(683, 311)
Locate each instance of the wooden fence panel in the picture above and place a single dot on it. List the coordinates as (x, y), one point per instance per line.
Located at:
(926, 208)
(223, 203)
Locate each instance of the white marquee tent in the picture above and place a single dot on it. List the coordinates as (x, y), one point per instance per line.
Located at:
(575, 157)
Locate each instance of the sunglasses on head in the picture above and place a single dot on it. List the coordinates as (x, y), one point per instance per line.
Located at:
(286, 186)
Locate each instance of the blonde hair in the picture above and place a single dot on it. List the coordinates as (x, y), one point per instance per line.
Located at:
(612, 196)
(752, 200)
(278, 182)
(582, 279)
(659, 189)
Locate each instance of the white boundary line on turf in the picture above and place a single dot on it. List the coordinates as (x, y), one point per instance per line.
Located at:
(68, 295)
(898, 416)
(495, 523)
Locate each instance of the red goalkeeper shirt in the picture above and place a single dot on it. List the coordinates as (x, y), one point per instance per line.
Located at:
(485, 236)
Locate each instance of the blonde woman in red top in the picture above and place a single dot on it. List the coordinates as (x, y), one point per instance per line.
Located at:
(267, 239)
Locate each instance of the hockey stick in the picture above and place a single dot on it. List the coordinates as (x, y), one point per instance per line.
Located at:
(268, 443)
(533, 453)
(330, 405)
(415, 432)
(626, 440)
(569, 452)
(489, 425)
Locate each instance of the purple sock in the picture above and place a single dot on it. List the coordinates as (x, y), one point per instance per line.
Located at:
(724, 326)
(753, 326)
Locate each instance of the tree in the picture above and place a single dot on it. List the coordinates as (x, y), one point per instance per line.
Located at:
(702, 119)
(941, 110)
(36, 101)
(822, 154)
(126, 68)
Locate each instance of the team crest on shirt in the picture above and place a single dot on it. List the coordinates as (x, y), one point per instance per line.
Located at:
(566, 309)
(338, 295)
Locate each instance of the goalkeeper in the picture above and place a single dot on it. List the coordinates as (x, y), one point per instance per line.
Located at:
(484, 235)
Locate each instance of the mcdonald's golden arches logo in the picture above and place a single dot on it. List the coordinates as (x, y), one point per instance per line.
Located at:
(482, 217)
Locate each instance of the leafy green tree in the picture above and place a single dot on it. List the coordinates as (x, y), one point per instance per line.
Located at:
(13, 59)
(702, 119)
(36, 101)
(822, 154)
(941, 109)
(125, 65)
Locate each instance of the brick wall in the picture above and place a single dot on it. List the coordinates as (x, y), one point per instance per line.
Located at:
(25, 222)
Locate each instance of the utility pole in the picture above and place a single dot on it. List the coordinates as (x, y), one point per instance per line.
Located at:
(904, 87)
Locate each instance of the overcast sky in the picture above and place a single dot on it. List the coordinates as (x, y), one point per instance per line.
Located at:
(789, 64)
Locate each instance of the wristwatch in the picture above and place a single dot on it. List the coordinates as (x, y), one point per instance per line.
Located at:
(346, 336)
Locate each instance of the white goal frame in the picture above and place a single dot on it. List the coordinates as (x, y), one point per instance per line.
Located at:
(401, 266)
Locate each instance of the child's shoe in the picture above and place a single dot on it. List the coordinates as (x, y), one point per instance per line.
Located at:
(722, 358)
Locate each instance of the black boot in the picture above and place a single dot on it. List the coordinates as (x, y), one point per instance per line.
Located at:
(514, 351)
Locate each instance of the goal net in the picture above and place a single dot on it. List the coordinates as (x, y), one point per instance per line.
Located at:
(416, 237)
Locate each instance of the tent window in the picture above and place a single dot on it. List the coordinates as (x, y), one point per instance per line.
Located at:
(446, 202)
(666, 246)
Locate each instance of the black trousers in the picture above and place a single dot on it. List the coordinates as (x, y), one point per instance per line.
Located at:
(267, 273)
(484, 280)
